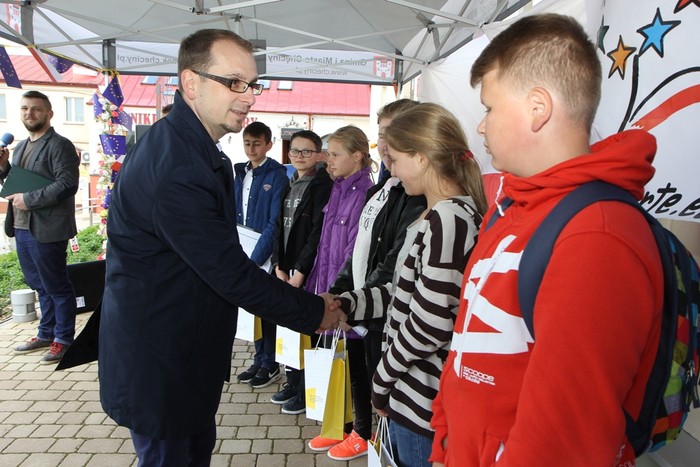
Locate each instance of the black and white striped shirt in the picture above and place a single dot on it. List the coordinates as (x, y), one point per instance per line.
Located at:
(420, 308)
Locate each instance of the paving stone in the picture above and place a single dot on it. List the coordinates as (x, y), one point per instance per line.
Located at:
(20, 431)
(261, 446)
(68, 431)
(13, 460)
(45, 431)
(100, 445)
(72, 418)
(66, 445)
(22, 418)
(222, 460)
(234, 446)
(240, 420)
(96, 418)
(281, 432)
(110, 460)
(75, 460)
(270, 460)
(47, 418)
(245, 459)
(288, 446)
(250, 432)
(33, 385)
(46, 406)
(30, 445)
(14, 406)
(95, 431)
(42, 460)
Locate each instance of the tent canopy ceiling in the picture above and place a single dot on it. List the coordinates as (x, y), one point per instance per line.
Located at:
(330, 40)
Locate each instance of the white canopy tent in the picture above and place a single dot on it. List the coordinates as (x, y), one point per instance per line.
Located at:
(372, 41)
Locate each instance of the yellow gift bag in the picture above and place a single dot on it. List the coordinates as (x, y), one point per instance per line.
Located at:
(338, 409)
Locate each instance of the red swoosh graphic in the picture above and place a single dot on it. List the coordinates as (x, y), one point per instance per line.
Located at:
(673, 104)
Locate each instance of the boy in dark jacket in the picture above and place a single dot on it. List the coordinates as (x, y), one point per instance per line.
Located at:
(258, 186)
(298, 235)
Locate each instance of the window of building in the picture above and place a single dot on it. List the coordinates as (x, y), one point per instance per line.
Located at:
(74, 110)
(285, 85)
(149, 80)
(3, 107)
(265, 83)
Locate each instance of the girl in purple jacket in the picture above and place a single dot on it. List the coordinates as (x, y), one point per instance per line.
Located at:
(350, 165)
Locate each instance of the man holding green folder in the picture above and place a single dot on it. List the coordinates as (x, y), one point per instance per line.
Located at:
(40, 185)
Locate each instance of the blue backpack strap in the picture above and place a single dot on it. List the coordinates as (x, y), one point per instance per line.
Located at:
(505, 204)
(538, 250)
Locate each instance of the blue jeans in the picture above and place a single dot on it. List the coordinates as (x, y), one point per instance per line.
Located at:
(410, 449)
(44, 269)
(265, 347)
(194, 451)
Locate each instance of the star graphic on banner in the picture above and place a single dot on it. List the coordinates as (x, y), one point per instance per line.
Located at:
(619, 57)
(654, 33)
(602, 31)
(684, 3)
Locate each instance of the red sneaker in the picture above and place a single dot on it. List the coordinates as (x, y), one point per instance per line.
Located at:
(324, 444)
(353, 446)
(55, 354)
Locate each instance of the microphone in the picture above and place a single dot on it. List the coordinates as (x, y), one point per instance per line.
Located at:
(6, 139)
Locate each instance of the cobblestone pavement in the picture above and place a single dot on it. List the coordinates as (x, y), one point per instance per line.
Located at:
(52, 418)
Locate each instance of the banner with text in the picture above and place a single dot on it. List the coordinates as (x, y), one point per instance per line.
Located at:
(651, 80)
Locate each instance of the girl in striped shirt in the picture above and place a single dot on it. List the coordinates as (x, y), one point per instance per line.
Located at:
(430, 156)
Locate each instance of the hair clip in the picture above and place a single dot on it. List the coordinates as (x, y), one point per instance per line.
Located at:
(467, 155)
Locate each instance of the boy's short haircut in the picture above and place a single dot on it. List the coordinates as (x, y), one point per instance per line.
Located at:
(258, 129)
(548, 50)
(311, 136)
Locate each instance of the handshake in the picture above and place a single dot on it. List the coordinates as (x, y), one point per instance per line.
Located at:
(333, 316)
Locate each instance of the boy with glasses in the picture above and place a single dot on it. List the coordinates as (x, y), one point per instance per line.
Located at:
(298, 236)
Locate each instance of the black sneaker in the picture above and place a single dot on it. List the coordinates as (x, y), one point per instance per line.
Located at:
(265, 377)
(285, 395)
(296, 405)
(248, 375)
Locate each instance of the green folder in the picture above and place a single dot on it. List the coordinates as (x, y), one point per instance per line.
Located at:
(20, 180)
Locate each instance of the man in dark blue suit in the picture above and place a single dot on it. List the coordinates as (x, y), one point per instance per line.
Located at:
(176, 272)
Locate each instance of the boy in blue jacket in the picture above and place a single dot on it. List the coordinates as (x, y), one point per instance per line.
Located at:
(259, 186)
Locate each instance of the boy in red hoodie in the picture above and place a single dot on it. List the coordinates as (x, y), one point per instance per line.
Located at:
(506, 398)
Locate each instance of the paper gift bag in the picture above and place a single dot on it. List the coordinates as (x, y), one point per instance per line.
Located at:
(317, 373)
(290, 346)
(379, 453)
(338, 409)
(249, 327)
(334, 413)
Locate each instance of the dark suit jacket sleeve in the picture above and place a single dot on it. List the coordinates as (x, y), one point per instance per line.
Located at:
(62, 164)
(188, 218)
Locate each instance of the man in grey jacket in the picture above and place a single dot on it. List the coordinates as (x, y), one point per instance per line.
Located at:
(42, 221)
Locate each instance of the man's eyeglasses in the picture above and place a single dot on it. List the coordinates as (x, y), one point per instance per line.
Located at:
(234, 84)
(305, 153)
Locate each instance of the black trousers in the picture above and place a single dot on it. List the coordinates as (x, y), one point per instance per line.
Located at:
(194, 451)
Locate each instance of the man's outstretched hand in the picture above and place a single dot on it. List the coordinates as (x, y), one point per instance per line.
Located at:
(332, 315)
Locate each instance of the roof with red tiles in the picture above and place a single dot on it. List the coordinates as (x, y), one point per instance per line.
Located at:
(304, 97)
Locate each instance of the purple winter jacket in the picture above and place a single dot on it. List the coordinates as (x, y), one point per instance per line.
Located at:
(340, 225)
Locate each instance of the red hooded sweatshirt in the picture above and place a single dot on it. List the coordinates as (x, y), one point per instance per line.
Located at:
(508, 400)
